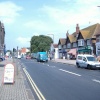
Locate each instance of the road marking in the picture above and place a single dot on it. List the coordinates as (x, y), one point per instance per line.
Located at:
(52, 66)
(96, 80)
(37, 91)
(70, 72)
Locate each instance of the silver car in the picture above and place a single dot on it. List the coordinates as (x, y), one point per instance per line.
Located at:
(87, 61)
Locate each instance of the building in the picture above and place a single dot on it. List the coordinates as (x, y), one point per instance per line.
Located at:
(24, 51)
(83, 41)
(98, 41)
(62, 47)
(2, 39)
(54, 51)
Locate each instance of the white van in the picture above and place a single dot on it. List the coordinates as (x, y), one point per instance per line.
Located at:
(87, 61)
(19, 57)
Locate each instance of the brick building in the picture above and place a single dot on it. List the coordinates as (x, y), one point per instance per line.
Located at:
(2, 39)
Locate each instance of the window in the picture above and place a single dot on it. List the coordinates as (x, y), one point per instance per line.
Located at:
(98, 39)
(69, 45)
(91, 59)
(74, 44)
(81, 42)
(84, 59)
(88, 42)
(64, 46)
(79, 57)
(60, 47)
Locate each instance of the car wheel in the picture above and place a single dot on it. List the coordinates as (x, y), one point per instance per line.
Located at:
(78, 65)
(88, 67)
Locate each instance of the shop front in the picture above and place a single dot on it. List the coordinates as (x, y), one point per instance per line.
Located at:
(84, 50)
(98, 49)
(62, 53)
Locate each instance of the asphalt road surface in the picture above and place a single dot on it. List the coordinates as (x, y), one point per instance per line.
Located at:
(57, 81)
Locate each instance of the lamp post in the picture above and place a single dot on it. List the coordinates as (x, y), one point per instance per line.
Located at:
(52, 35)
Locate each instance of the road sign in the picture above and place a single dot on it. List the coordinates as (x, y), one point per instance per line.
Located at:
(9, 73)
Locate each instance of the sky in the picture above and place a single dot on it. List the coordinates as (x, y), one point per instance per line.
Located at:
(26, 18)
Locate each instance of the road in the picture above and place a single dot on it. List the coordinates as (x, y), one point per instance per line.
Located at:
(57, 81)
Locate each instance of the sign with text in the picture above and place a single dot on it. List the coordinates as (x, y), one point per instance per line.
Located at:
(9, 73)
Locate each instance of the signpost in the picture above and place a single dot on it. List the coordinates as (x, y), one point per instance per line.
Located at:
(9, 74)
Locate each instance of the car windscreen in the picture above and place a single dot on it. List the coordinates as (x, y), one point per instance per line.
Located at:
(91, 58)
(43, 55)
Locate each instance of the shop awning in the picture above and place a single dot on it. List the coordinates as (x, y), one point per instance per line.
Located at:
(72, 51)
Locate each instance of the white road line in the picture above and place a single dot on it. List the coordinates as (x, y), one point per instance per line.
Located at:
(70, 72)
(37, 91)
(96, 80)
(52, 66)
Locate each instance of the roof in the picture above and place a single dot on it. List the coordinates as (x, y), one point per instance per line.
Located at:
(62, 41)
(72, 38)
(90, 31)
(85, 34)
(55, 45)
(23, 50)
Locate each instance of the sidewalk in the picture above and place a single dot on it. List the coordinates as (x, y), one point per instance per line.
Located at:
(65, 61)
(20, 89)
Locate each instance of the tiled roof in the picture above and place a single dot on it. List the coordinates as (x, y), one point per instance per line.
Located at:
(90, 31)
(55, 45)
(85, 34)
(62, 41)
(72, 38)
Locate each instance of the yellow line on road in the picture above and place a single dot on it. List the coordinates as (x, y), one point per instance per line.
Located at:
(37, 91)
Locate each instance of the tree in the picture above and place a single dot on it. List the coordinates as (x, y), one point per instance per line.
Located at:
(40, 43)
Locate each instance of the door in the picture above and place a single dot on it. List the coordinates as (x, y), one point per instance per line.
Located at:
(84, 64)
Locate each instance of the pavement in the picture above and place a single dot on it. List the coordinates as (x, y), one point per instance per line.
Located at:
(19, 90)
(65, 61)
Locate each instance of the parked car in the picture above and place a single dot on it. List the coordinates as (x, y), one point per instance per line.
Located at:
(2, 58)
(42, 56)
(87, 61)
(19, 57)
(28, 57)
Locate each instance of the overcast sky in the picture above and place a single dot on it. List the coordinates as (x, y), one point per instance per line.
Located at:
(25, 18)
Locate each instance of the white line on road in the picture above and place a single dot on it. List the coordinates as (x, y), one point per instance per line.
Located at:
(96, 80)
(70, 72)
(37, 91)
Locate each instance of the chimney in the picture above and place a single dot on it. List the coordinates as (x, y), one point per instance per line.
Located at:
(77, 28)
(67, 34)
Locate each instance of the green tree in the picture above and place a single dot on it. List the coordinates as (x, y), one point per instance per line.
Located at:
(40, 43)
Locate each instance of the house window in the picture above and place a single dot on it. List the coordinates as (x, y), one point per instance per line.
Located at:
(64, 46)
(88, 42)
(98, 39)
(60, 47)
(74, 44)
(69, 45)
(81, 42)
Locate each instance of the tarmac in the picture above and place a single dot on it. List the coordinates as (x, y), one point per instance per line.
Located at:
(20, 89)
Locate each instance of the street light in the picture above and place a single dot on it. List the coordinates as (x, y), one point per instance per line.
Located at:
(52, 35)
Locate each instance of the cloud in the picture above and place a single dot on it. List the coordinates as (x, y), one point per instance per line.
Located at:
(80, 12)
(23, 40)
(9, 11)
(37, 25)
